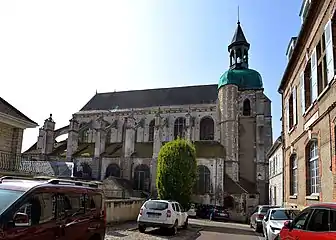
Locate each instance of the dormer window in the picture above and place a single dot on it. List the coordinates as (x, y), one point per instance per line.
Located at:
(291, 47)
(304, 9)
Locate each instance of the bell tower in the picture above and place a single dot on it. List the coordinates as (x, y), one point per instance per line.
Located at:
(238, 49)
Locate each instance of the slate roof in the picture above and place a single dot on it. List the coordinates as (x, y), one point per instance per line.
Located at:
(8, 109)
(200, 94)
(238, 37)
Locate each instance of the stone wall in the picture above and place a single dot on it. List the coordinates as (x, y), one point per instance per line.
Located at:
(11, 139)
(122, 210)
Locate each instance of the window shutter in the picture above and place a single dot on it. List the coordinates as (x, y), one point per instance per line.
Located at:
(287, 115)
(329, 51)
(303, 100)
(313, 76)
(294, 105)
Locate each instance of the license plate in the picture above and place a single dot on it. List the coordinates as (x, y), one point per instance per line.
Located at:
(223, 215)
(153, 216)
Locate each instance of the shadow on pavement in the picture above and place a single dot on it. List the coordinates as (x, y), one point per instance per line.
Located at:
(227, 230)
(190, 232)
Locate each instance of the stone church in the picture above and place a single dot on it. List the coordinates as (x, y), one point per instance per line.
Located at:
(120, 134)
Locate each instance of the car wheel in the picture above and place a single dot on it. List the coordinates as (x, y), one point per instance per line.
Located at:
(185, 225)
(173, 230)
(141, 228)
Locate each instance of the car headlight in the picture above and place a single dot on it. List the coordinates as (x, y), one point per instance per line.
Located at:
(274, 229)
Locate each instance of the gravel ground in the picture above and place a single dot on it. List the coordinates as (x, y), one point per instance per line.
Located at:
(127, 231)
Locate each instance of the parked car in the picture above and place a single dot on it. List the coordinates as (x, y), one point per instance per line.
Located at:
(258, 215)
(314, 222)
(220, 213)
(192, 211)
(274, 220)
(203, 210)
(163, 214)
(38, 209)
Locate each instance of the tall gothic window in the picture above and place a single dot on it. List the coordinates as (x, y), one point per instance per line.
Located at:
(84, 134)
(151, 131)
(293, 174)
(203, 181)
(313, 183)
(246, 107)
(207, 129)
(108, 137)
(179, 127)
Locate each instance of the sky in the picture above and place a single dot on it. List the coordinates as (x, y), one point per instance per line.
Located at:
(55, 55)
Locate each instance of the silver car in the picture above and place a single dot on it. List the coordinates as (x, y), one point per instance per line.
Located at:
(258, 215)
(274, 221)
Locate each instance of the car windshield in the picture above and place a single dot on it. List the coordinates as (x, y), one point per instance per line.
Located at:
(284, 214)
(7, 198)
(156, 205)
(264, 209)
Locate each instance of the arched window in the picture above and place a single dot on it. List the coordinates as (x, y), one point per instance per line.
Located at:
(293, 174)
(142, 177)
(203, 180)
(83, 134)
(151, 131)
(232, 59)
(179, 127)
(113, 170)
(239, 55)
(108, 137)
(246, 107)
(123, 131)
(207, 129)
(313, 167)
(245, 57)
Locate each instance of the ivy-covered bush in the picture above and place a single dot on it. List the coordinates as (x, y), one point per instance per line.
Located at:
(176, 171)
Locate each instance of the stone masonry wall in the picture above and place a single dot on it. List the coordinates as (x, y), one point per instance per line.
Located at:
(11, 139)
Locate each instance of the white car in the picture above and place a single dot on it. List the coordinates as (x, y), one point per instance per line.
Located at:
(274, 221)
(163, 214)
(192, 211)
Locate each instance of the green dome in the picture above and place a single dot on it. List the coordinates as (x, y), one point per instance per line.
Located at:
(244, 78)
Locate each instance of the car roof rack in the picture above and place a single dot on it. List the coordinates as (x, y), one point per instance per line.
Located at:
(15, 177)
(74, 182)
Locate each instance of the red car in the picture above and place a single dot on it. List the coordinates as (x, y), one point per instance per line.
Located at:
(37, 209)
(317, 222)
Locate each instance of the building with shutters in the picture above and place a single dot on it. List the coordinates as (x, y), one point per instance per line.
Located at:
(275, 163)
(120, 134)
(308, 89)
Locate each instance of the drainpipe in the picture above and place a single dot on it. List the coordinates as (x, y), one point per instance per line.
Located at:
(283, 150)
(330, 144)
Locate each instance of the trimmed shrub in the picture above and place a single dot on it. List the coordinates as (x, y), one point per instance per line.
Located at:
(176, 171)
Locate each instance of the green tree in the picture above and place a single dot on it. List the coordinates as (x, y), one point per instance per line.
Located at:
(176, 171)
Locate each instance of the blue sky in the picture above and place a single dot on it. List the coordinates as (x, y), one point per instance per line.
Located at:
(54, 55)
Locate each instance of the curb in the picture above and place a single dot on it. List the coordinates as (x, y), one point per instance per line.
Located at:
(132, 229)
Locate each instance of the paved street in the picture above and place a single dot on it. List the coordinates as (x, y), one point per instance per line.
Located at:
(209, 230)
(219, 230)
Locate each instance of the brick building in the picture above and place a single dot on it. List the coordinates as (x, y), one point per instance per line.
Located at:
(308, 89)
(12, 124)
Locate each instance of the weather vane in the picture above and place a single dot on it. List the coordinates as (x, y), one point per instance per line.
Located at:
(238, 15)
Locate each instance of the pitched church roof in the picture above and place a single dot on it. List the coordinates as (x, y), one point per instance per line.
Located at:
(188, 95)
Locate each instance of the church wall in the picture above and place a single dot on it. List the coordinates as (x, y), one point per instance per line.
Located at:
(247, 156)
(145, 116)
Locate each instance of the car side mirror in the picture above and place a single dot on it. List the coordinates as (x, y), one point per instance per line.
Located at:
(265, 218)
(21, 220)
(288, 225)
